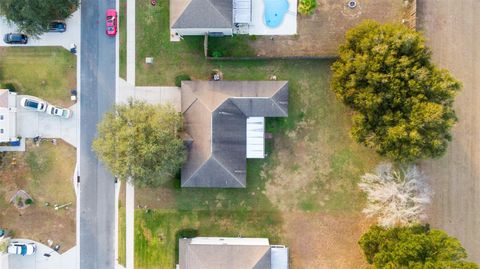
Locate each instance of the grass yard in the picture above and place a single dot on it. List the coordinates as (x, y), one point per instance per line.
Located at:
(304, 195)
(45, 72)
(122, 25)
(39, 173)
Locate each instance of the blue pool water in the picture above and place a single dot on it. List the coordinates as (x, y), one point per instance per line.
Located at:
(274, 12)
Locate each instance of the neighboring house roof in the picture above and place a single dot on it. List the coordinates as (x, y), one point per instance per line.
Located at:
(8, 112)
(220, 253)
(215, 114)
(201, 13)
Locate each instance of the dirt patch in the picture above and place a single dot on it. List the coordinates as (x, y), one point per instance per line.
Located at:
(45, 172)
(324, 241)
(321, 33)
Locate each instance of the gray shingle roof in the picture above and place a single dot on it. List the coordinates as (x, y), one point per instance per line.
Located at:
(201, 13)
(204, 256)
(215, 114)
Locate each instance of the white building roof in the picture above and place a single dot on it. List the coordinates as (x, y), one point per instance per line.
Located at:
(234, 241)
(255, 138)
(279, 257)
(242, 11)
(8, 116)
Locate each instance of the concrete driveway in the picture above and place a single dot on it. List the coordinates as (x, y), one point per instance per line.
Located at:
(66, 260)
(31, 124)
(72, 35)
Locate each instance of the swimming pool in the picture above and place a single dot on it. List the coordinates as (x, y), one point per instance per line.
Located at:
(274, 12)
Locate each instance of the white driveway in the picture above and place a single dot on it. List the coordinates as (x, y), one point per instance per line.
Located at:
(72, 35)
(66, 260)
(31, 124)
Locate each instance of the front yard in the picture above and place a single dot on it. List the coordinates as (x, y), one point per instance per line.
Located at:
(45, 72)
(44, 170)
(304, 195)
(45, 173)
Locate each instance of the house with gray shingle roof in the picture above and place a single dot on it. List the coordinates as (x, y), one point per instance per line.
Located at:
(231, 253)
(197, 17)
(224, 125)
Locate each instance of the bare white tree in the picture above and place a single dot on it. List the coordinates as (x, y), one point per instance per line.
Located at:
(397, 197)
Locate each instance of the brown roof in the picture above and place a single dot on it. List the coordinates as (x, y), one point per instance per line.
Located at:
(215, 114)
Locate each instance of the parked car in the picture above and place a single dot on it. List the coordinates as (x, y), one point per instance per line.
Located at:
(15, 38)
(33, 104)
(58, 111)
(57, 27)
(23, 249)
(111, 22)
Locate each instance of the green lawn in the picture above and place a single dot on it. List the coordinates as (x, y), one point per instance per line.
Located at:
(45, 72)
(122, 24)
(313, 165)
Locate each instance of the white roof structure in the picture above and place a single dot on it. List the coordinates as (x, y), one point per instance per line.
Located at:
(279, 257)
(242, 11)
(255, 138)
(8, 116)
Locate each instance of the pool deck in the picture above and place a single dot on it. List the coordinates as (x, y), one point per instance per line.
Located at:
(287, 27)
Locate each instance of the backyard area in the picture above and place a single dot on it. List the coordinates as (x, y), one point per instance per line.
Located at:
(320, 34)
(38, 172)
(303, 195)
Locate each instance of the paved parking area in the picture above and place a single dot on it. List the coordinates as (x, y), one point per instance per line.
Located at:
(66, 260)
(72, 35)
(31, 124)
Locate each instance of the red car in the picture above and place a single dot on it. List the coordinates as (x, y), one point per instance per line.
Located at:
(111, 22)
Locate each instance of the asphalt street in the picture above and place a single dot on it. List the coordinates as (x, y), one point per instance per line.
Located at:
(97, 96)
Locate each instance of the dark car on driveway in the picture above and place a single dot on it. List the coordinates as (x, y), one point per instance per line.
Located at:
(12, 38)
(57, 27)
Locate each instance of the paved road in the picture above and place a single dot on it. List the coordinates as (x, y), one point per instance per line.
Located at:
(97, 95)
(453, 32)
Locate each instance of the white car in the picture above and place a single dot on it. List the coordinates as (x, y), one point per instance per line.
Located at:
(33, 104)
(58, 111)
(24, 249)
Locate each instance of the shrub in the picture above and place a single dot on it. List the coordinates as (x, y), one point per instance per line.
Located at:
(216, 54)
(307, 7)
(180, 78)
(28, 201)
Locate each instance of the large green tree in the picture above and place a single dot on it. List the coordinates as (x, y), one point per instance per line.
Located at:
(33, 16)
(415, 247)
(403, 104)
(141, 142)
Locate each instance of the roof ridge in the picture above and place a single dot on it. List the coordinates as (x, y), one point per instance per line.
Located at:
(218, 11)
(213, 157)
(196, 171)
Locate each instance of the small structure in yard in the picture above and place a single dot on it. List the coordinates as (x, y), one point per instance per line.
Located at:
(149, 60)
(237, 253)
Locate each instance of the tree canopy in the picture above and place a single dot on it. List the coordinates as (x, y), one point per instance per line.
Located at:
(403, 104)
(415, 247)
(34, 16)
(141, 142)
(398, 197)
